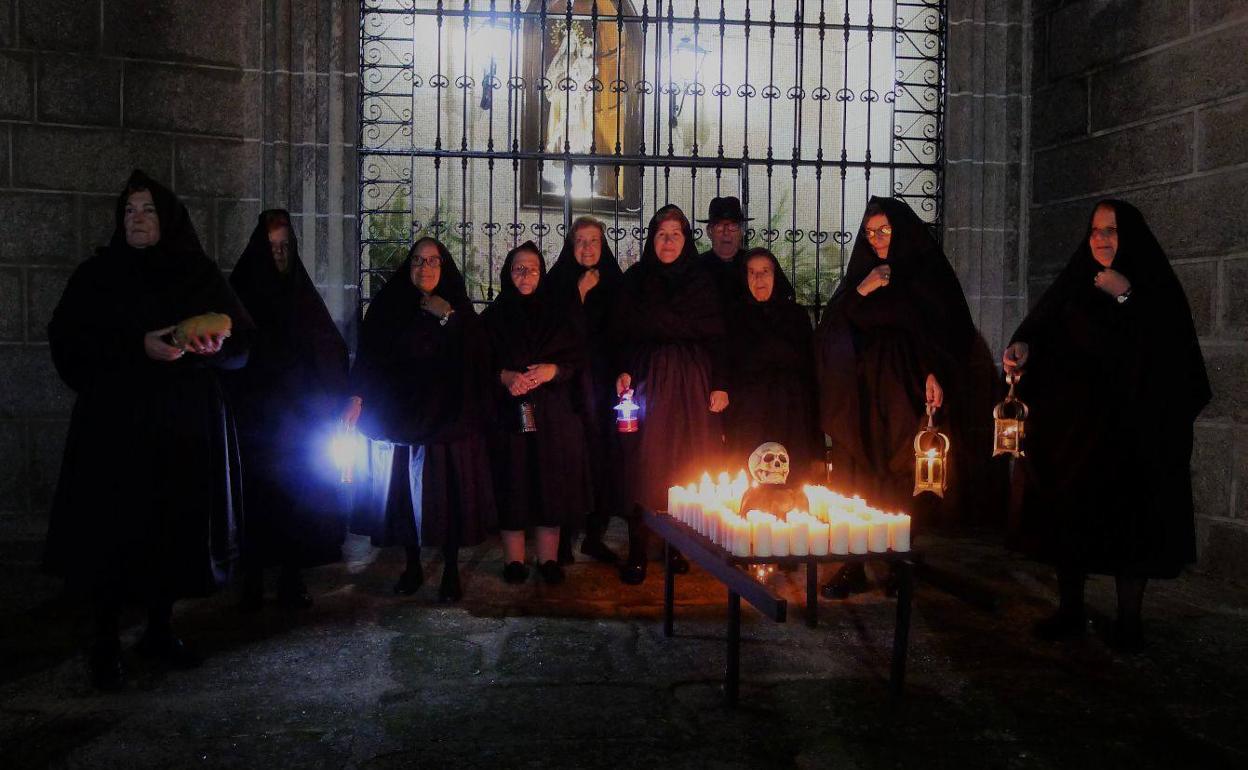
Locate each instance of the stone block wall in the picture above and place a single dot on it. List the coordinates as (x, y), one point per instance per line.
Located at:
(1148, 101)
(238, 105)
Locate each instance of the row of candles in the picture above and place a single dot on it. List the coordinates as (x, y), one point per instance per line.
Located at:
(832, 524)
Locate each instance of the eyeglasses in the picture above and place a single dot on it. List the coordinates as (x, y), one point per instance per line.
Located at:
(1105, 232)
(427, 262)
(522, 272)
(883, 232)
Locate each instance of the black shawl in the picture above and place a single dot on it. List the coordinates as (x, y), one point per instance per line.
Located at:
(422, 382)
(148, 493)
(1113, 390)
(727, 274)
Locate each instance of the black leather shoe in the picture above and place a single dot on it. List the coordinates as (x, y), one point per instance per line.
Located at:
(551, 573)
(633, 573)
(409, 582)
(515, 573)
(165, 646)
(1063, 624)
(104, 662)
(597, 550)
(677, 563)
(851, 579)
(564, 555)
(450, 591)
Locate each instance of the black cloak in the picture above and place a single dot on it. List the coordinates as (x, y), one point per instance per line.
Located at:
(597, 382)
(727, 274)
(669, 330)
(873, 355)
(771, 367)
(286, 401)
(426, 393)
(148, 501)
(1113, 389)
(540, 478)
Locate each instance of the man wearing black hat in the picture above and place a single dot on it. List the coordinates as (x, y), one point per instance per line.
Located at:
(725, 227)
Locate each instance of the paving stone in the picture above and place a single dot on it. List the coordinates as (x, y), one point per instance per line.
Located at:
(1222, 137)
(16, 85)
(1092, 32)
(59, 25)
(12, 304)
(37, 228)
(190, 99)
(182, 30)
(79, 89)
(1153, 151)
(86, 160)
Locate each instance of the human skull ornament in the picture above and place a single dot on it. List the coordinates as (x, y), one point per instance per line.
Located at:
(769, 464)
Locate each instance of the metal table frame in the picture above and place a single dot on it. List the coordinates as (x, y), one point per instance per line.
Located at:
(741, 584)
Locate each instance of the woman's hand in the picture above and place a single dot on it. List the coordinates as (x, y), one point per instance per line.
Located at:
(516, 383)
(875, 279)
(157, 349)
(351, 414)
(1015, 357)
(935, 393)
(622, 383)
(435, 305)
(540, 374)
(1111, 282)
(719, 401)
(587, 281)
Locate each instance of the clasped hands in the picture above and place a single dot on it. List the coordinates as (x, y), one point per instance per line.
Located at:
(534, 376)
(718, 401)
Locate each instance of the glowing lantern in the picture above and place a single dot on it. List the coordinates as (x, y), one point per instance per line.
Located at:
(931, 454)
(1009, 418)
(626, 413)
(345, 448)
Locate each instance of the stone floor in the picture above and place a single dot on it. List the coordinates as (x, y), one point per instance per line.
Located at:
(580, 676)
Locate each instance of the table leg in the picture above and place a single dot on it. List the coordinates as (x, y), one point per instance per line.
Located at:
(901, 634)
(733, 673)
(812, 593)
(669, 589)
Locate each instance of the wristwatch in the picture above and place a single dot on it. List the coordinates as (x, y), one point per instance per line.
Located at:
(1126, 295)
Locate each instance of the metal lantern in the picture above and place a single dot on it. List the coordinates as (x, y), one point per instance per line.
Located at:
(1009, 421)
(346, 448)
(931, 458)
(626, 413)
(528, 420)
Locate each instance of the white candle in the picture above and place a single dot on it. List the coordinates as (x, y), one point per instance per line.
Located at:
(839, 537)
(673, 499)
(819, 538)
(877, 535)
(799, 534)
(760, 532)
(899, 533)
(743, 537)
(779, 538)
(858, 536)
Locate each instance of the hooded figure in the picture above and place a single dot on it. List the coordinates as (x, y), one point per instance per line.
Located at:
(287, 400)
(147, 505)
(895, 336)
(669, 330)
(541, 476)
(421, 381)
(1113, 375)
(587, 278)
(771, 368)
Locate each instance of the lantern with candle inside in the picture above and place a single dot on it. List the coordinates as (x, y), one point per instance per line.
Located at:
(1009, 418)
(626, 413)
(931, 458)
(346, 447)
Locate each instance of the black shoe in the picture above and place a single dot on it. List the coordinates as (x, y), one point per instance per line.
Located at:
(677, 563)
(597, 550)
(551, 572)
(1128, 637)
(565, 556)
(450, 591)
(850, 579)
(104, 662)
(633, 573)
(515, 572)
(1063, 624)
(410, 581)
(163, 645)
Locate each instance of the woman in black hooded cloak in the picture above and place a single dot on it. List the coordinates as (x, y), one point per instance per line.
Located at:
(421, 381)
(896, 329)
(669, 331)
(540, 470)
(147, 503)
(587, 277)
(1114, 377)
(285, 399)
(771, 368)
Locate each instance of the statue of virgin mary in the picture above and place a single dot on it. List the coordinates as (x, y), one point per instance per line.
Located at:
(571, 111)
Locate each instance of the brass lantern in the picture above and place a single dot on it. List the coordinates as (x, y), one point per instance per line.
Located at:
(931, 458)
(1009, 420)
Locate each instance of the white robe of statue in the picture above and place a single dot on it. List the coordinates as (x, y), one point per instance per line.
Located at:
(571, 110)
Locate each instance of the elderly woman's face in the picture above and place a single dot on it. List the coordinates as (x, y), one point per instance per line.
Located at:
(761, 276)
(1104, 238)
(879, 234)
(427, 268)
(141, 222)
(279, 245)
(669, 241)
(587, 246)
(526, 272)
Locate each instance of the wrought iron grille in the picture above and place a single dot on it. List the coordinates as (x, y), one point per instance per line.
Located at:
(489, 122)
